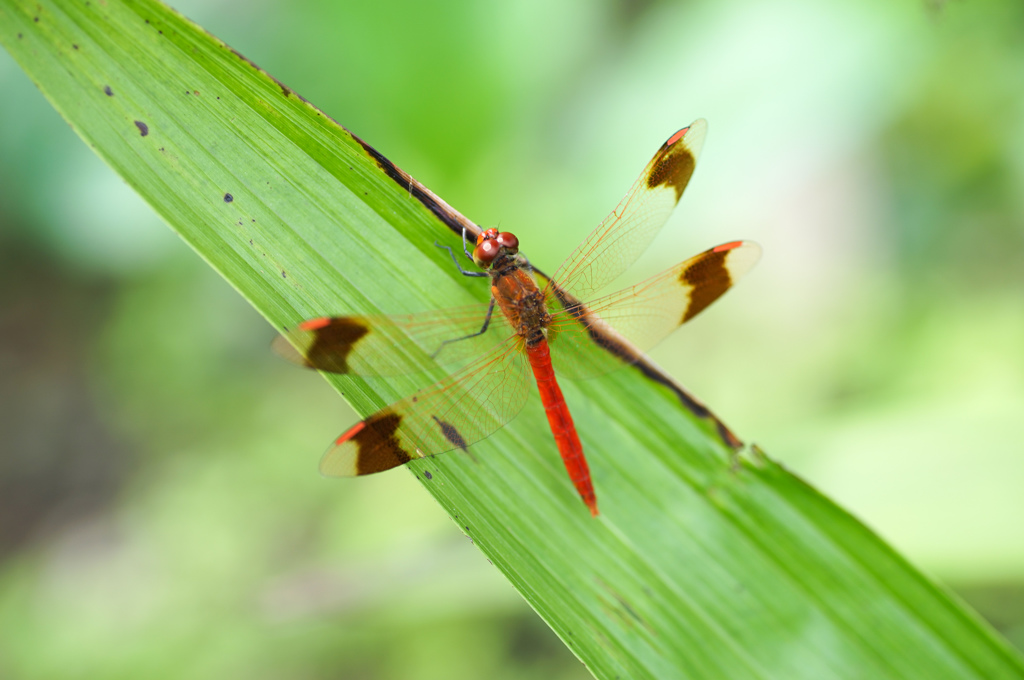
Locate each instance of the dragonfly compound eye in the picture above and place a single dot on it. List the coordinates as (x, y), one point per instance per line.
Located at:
(485, 253)
(487, 235)
(509, 240)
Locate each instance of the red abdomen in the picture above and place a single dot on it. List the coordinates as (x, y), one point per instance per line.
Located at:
(561, 423)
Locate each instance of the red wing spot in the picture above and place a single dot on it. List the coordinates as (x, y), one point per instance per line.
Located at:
(677, 136)
(708, 279)
(351, 432)
(314, 324)
(143, 128)
(727, 246)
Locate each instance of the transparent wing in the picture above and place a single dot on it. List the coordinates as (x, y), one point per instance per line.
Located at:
(454, 413)
(392, 345)
(586, 341)
(627, 232)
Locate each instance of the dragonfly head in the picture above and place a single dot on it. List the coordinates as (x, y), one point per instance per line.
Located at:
(490, 245)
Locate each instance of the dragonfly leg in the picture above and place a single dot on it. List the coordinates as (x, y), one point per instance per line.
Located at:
(483, 329)
(465, 247)
(456, 260)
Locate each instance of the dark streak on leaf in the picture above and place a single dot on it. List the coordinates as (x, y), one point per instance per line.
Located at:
(442, 211)
(287, 91)
(451, 433)
(615, 347)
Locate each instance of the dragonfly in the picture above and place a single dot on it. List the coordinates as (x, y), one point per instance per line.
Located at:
(563, 329)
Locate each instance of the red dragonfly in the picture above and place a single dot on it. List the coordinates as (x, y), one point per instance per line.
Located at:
(550, 330)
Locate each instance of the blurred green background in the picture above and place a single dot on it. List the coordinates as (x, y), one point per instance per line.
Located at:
(160, 510)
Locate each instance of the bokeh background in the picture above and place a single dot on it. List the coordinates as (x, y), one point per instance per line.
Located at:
(160, 510)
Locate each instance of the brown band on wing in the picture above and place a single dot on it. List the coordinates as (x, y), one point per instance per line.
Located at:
(451, 433)
(708, 279)
(379, 448)
(673, 167)
(333, 342)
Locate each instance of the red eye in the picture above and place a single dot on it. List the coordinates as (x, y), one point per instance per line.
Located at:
(509, 240)
(485, 253)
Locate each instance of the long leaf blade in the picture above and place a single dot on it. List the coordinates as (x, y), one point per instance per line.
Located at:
(700, 566)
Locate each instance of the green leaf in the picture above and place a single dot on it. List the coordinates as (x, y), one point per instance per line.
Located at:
(701, 564)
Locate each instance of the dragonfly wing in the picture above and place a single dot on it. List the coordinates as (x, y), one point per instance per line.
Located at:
(454, 413)
(391, 345)
(627, 232)
(586, 340)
